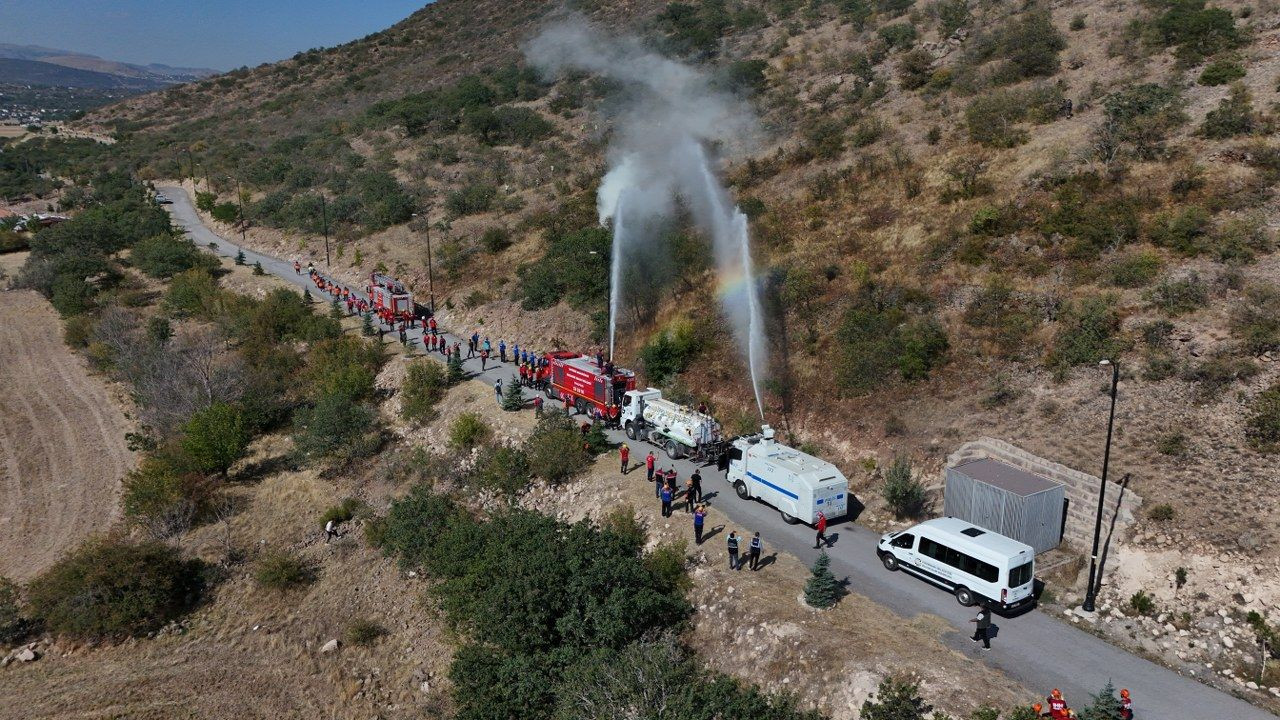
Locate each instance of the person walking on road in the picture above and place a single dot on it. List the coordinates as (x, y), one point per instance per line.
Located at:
(982, 631)
(624, 454)
(484, 357)
(753, 550)
(822, 532)
(699, 517)
(649, 460)
(497, 389)
(733, 550)
(666, 494)
(695, 483)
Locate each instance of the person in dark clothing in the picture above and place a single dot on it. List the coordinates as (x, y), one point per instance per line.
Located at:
(666, 494)
(502, 350)
(659, 479)
(733, 550)
(983, 626)
(382, 334)
(699, 517)
(695, 481)
(688, 495)
(404, 336)
(753, 550)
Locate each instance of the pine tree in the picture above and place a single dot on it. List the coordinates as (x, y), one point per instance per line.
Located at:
(822, 590)
(896, 699)
(240, 257)
(366, 327)
(306, 296)
(335, 310)
(257, 269)
(1105, 706)
(512, 396)
(597, 441)
(456, 373)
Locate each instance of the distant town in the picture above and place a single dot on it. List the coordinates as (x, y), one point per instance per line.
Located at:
(36, 104)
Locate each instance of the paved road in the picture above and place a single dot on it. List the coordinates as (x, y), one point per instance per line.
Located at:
(1038, 650)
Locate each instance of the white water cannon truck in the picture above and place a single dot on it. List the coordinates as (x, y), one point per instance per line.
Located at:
(680, 430)
(799, 485)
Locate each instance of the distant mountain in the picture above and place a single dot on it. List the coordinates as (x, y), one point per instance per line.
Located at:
(154, 72)
(35, 72)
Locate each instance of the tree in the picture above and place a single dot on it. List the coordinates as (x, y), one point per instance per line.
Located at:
(896, 699)
(456, 372)
(1233, 116)
(112, 588)
(822, 589)
(162, 499)
(1105, 705)
(214, 438)
(424, 386)
(257, 269)
(555, 448)
(336, 426)
(905, 494)
(335, 309)
(366, 325)
(240, 259)
(512, 396)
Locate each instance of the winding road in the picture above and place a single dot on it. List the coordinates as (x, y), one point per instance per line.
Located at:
(1039, 651)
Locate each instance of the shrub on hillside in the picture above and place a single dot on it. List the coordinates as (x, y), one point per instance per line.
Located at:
(1004, 316)
(915, 69)
(163, 256)
(1263, 426)
(468, 430)
(994, 119)
(1221, 72)
(1177, 296)
(344, 365)
(1134, 269)
(575, 267)
(1233, 116)
(896, 699)
(1095, 217)
(335, 427)
(164, 499)
(344, 511)
(887, 333)
(898, 35)
(1195, 30)
(1031, 45)
(115, 588)
(363, 631)
(555, 448)
(1138, 119)
(226, 212)
(1256, 320)
(424, 386)
(473, 198)
(1184, 231)
(215, 437)
(904, 493)
(501, 468)
(280, 570)
(1086, 334)
(669, 352)
(495, 239)
(13, 626)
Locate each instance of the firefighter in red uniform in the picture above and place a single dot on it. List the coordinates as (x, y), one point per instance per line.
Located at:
(1058, 709)
(1126, 705)
(431, 323)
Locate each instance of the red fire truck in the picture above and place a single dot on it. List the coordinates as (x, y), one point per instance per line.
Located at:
(586, 382)
(389, 296)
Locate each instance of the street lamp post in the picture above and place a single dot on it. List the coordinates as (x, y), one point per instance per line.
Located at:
(191, 165)
(324, 218)
(431, 278)
(244, 219)
(1091, 593)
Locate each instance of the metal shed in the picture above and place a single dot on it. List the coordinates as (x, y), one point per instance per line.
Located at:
(1008, 500)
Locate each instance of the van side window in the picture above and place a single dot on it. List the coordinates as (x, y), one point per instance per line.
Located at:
(905, 540)
(960, 561)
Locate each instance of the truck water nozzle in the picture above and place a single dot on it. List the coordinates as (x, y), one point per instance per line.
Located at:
(766, 432)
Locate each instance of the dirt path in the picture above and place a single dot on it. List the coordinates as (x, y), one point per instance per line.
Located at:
(62, 446)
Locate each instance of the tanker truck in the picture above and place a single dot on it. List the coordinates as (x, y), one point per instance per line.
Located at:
(799, 485)
(680, 430)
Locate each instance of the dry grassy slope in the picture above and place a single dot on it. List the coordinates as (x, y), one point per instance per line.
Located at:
(841, 208)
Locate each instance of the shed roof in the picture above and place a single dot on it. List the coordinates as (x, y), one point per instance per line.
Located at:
(1006, 477)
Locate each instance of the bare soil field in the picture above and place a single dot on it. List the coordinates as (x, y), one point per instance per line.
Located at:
(62, 446)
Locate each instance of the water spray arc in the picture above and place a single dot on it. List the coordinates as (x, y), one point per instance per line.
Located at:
(615, 270)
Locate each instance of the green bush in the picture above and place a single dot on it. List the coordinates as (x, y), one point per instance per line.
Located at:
(669, 352)
(335, 427)
(915, 69)
(363, 631)
(114, 588)
(896, 699)
(1195, 30)
(1031, 44)
(495, 239)
(424, 386)
(1263, 426)
(501, 468)
(1162, 512)
(164, 256)
(902, 491)
(881, 337)
(1094, 215)
(215, 437)
(467, 431)
(1219, 371)
(555, 448)
(1134, 269)
(507, 125)
(1184, 231)
(476, 197)
(13, 626)
(1233, 116)
(1256, 320)
(344, 511)
(1140, 118)
(1221, 72)
(994, 119)
(1240, 239)
(575, 268)
(227, 212)
(1086, 334)
(1142, 603)
(162, 499)
(746, 76)
(898, 35)
(281, 570)
(345, 365)
(1179, 296)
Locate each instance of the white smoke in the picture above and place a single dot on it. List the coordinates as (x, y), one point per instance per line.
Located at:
(669, 115)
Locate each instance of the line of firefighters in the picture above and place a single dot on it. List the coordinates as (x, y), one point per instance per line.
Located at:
(535, 373)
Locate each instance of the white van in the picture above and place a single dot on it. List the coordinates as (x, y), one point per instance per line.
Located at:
(974, 563)
(798, 484)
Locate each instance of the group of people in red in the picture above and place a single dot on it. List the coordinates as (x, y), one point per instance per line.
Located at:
(1055, 707)
(356, 304)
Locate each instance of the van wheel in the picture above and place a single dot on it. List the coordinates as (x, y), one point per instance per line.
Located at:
(741, 488)
(631, 430)
(788, 519)
(673, 450)
(965, 597)
(890, 562)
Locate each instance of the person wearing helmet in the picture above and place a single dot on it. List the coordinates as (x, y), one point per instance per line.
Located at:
(1058, 709)
(1038, 709)
(1126, 705)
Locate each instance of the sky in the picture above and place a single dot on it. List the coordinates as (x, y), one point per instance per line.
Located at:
(219, 34)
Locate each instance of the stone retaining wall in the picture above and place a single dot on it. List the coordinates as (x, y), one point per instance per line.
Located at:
(1081, 488)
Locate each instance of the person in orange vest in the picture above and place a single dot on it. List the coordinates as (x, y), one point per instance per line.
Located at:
(822, 532)
(1058, 709)
(1126, 705)
(1037, 708)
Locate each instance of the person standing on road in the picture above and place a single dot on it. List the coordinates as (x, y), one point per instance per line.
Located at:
(537, 406)
(733, 550)
(649, 460)
(502, 350)
(688, 495)
(666, 494)
(699, 517)
(659, 479)
(753, 550)
(983, 630)
(695, 480)
(822, 532)
(404, 336)
(624, 454)
(497, 389)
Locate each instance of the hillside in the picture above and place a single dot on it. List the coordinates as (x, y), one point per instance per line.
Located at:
(35, 72)
(164, 74)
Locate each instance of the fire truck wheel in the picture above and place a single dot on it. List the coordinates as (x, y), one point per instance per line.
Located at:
(581, 406)
(741, 488)
(789, 519)
(631, 431)
(673, 450)
(551, 393)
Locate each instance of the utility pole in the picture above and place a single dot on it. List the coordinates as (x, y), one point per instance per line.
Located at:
(1090, 592)
(431, 278)
(324, 216)
(191, 165)
(244, 219)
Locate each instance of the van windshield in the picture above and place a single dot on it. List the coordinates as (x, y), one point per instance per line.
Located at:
(1020, 575)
